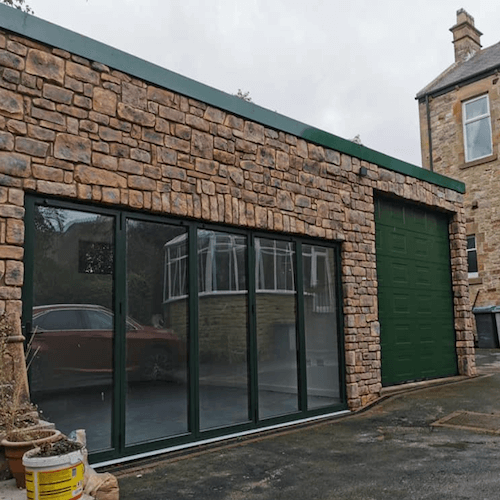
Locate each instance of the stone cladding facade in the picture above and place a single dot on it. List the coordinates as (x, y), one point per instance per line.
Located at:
(80, 130)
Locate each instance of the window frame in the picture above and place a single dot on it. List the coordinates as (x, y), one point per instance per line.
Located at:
(465, 122)
(472, 274)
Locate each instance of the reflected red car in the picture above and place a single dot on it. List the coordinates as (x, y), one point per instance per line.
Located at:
(72, 346)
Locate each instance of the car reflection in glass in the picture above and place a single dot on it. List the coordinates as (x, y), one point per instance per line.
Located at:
(72, 346)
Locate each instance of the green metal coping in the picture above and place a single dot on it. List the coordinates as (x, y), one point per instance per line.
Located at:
(42, 31)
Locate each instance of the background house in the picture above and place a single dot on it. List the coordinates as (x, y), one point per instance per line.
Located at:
(460, 132)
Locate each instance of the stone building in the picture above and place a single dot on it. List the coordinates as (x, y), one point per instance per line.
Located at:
(191, 266)
(460, 137)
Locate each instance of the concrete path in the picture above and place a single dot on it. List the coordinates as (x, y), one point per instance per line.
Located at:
(390, 451)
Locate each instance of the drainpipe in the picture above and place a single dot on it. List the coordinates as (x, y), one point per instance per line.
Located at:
(429, 132)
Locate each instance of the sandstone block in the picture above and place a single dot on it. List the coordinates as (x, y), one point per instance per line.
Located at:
(128, 113)
(11, 103)
(236, 175)
(172, 115)
(177, 144)
(48, 116)
(10, 292)
(142, 183)
(110, 195)
(171, 172)
(57, 94)
(31, 147)
(45, 65)
(141, 155)
(82, 73)
(130, 166)
(150, 135)
(11, 252)
(253, 132)
(72, 148)
(206, 166)
(105, 161)
(202, 145)
(98, 177)
(48, 173)
(284, 201)
(14, 164)
(14, 234)
(214, 115)
(56, 188)
(119, 150)
(14, 273)
(197, 123)
(134, 96)
(161, 96)
(10, 60)
(266, 156)
(40, 133)
(104, 101)
(6, 141)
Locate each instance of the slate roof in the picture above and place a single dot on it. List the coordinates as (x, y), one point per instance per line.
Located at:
(482, 63)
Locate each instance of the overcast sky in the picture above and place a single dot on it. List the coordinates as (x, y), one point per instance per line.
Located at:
(345, 66)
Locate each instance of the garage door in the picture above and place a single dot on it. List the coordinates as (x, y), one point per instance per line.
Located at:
(415, 295)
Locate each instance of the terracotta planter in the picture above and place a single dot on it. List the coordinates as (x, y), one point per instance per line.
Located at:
(15, 448)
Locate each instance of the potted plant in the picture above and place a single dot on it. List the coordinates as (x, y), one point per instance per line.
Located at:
(20, 428)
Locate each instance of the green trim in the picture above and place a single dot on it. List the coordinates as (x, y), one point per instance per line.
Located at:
(252, 357)
(300, 328)
(193, 358)
(118, 428)
(56, 36)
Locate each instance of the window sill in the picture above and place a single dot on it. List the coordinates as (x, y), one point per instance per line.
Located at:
(480, 161)
(475, 280)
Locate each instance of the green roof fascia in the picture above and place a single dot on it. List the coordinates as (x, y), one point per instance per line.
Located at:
(37, 29)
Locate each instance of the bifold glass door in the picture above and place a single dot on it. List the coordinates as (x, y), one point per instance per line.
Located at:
(150, 332)
(71, 349)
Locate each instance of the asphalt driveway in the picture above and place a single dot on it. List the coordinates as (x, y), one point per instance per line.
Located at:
(388, 452)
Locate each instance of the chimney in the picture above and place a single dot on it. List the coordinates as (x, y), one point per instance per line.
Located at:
(466, 38)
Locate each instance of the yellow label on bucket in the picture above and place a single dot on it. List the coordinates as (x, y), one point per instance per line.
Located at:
(61, 484)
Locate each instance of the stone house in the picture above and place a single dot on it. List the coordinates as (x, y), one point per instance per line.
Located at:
(191, 266)
(460, 136)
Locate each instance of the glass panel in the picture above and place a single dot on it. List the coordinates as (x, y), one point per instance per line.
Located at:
(72, 367)
(320, 316)
(222, 330)
(476, 108)
(276, 329)
(478, 135)
(471, 242)
(157, 335)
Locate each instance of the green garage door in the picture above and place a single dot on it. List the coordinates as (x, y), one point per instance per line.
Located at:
(414, 293)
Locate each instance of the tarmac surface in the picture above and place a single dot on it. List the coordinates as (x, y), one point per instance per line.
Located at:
(390, 451)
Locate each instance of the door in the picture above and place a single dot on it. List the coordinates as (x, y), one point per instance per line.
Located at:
(414, 293)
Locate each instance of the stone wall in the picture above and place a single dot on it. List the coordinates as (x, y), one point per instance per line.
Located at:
(77, 129)
(482, 198)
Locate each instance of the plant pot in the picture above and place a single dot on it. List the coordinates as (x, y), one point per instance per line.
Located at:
(17, 443)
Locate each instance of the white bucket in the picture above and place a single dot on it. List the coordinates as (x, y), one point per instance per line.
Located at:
(54, 478)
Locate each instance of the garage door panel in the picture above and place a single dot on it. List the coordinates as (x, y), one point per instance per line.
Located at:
(415, 299)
